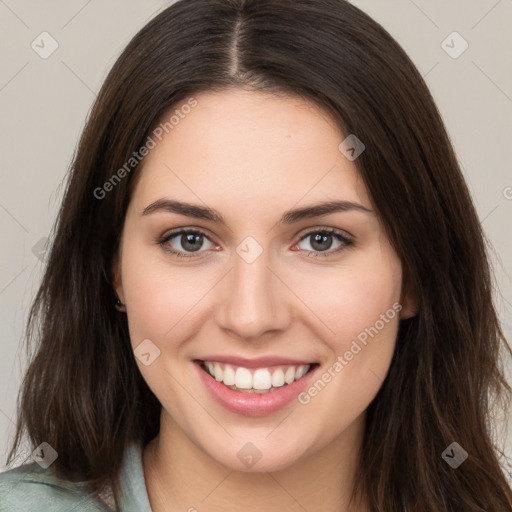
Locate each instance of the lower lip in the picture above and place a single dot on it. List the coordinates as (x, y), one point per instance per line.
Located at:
(253, 404)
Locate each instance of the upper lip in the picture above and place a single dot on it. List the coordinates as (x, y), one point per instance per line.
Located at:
(257, 362)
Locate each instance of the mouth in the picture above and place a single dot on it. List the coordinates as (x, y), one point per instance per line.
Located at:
(260, 380)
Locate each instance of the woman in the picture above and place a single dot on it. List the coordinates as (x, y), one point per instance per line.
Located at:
(268, 287)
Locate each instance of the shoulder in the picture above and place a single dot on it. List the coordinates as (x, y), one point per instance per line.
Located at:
(30, 488)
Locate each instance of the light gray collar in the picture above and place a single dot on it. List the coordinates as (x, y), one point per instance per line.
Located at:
(133, 492)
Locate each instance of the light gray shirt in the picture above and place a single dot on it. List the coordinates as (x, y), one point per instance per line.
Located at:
(30, 488)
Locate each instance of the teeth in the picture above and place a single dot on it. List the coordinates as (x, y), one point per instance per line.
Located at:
(243, 378)
(289, 376)
(217, 372)
(261, 380)
(300, 372)
(278, 378)
(229, 376)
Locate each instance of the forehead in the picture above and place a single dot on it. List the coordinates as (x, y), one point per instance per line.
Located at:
(256, 151)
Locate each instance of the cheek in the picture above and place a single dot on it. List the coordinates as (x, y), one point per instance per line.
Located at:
(360, 306)
(350, 299)
(157, 295)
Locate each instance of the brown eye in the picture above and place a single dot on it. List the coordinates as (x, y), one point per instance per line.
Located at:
(184, 243)
(321, 241)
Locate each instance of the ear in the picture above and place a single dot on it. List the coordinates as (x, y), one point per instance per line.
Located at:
(116, 277)
(409, 299)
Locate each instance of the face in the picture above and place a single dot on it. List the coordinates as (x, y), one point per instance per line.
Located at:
(253, 285)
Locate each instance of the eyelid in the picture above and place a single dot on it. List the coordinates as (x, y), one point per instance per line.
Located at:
(317, 229)
(186, 230)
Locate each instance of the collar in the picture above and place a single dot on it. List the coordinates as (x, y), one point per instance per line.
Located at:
(133, 492)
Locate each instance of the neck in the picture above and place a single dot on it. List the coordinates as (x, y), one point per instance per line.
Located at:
(180, 476)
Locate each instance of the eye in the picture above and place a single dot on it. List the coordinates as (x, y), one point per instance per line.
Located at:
(185, 242)
(321, 241)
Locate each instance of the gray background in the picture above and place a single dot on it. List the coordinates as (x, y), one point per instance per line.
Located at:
(44, 103)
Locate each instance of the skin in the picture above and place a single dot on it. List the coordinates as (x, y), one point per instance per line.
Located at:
(252, 156)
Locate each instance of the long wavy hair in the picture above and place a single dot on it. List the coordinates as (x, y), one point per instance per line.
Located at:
(83, 392)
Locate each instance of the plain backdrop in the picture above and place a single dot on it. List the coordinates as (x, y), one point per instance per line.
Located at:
(44, 103)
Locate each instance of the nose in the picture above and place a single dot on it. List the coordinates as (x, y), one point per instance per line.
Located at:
(254, 301)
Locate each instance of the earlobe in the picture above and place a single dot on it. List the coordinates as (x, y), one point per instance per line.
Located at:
(409, 308)
(409, 301)
(116, 280)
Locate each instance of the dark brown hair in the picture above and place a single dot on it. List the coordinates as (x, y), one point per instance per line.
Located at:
(83, 392)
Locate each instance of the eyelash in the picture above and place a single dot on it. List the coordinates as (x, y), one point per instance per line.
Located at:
(347, 242)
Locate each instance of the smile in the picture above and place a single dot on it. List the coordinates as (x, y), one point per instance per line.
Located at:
(255, 380)
(255, 389)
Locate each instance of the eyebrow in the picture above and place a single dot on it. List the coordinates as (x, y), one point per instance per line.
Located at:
(289, 217)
